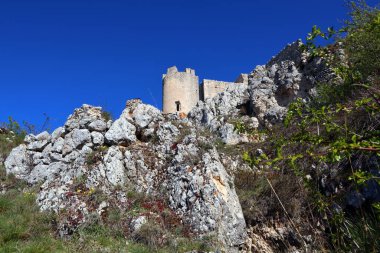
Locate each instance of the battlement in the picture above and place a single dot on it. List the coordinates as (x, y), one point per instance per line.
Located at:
(174, 71)
(181, 90)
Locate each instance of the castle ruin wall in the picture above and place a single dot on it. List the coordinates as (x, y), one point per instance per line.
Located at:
(210, 88)
(180, 91)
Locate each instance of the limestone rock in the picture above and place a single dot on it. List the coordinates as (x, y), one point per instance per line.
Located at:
(97, 138)
(18, 162)
(205, 197)
(29, 138)
(121, 132)
(141, 115)
(40, 141)
(83, 116)
(283, 79)
(230, 136)
(76, 139)
(43, 173)
(98, 125)
(114, 166)
(80, 137)
(137, 223)
(57, 133)
(42, 157)
(58, 145)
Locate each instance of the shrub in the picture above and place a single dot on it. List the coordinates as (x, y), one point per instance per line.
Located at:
(107, 115)
(152, 234)
(362, 43)
(96, 156)
(328, 147)
(11, 135)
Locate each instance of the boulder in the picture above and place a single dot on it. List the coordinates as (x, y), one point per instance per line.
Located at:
(57, 133)
(141, 115)
(83, 116)
(39, 142)
(121, 132)
(98, 125)
(97, 138)
(19, 163)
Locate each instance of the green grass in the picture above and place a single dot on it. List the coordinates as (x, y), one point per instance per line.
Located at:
(23, 228)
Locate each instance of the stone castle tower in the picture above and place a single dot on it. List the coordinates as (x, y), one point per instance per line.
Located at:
(180, 90)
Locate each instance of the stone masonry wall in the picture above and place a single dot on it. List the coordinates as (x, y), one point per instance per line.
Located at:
(179, 87)
(210, 88)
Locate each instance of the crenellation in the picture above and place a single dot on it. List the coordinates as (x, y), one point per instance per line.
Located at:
(190, 71)
(172, 70)
(182, 91)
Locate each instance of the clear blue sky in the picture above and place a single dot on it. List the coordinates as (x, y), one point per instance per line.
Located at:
(56, 55)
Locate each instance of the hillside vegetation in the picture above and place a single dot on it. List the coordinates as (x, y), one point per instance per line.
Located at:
(322, 164)
(309, 183)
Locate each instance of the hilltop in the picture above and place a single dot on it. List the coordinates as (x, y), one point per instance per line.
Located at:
(287, 162)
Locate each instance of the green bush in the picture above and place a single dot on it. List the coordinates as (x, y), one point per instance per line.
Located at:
(335, 137)
(11, 135)
(362, 43)
(107, 115)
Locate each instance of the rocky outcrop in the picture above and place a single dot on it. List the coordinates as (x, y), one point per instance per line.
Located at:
(204, 194)
(289, 75)
(142, 150)
(215, 112)
(271, 88)
(165, 156)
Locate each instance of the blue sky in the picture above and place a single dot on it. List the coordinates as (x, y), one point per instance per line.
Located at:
(56, 55)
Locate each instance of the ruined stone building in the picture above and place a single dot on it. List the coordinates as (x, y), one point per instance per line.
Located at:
(181, 91)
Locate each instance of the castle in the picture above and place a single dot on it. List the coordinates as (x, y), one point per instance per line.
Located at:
(181, 90)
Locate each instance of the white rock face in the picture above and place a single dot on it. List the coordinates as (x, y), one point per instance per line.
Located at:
(18, 162)
(158, 162)
(270, 90)
(141, 114)
(58, 145)
(97, 138)
(38, 174)
(114, 166)
(121, 132)
(98, 125)
(40, 142)
(80, 137)
(283, 79)
(137, 223)
(83, 116)
(230, 136)
(57, 133)
(75, 139)
(204, 197)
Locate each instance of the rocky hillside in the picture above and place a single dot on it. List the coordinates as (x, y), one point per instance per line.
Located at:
(174, 160)
(231, 173)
